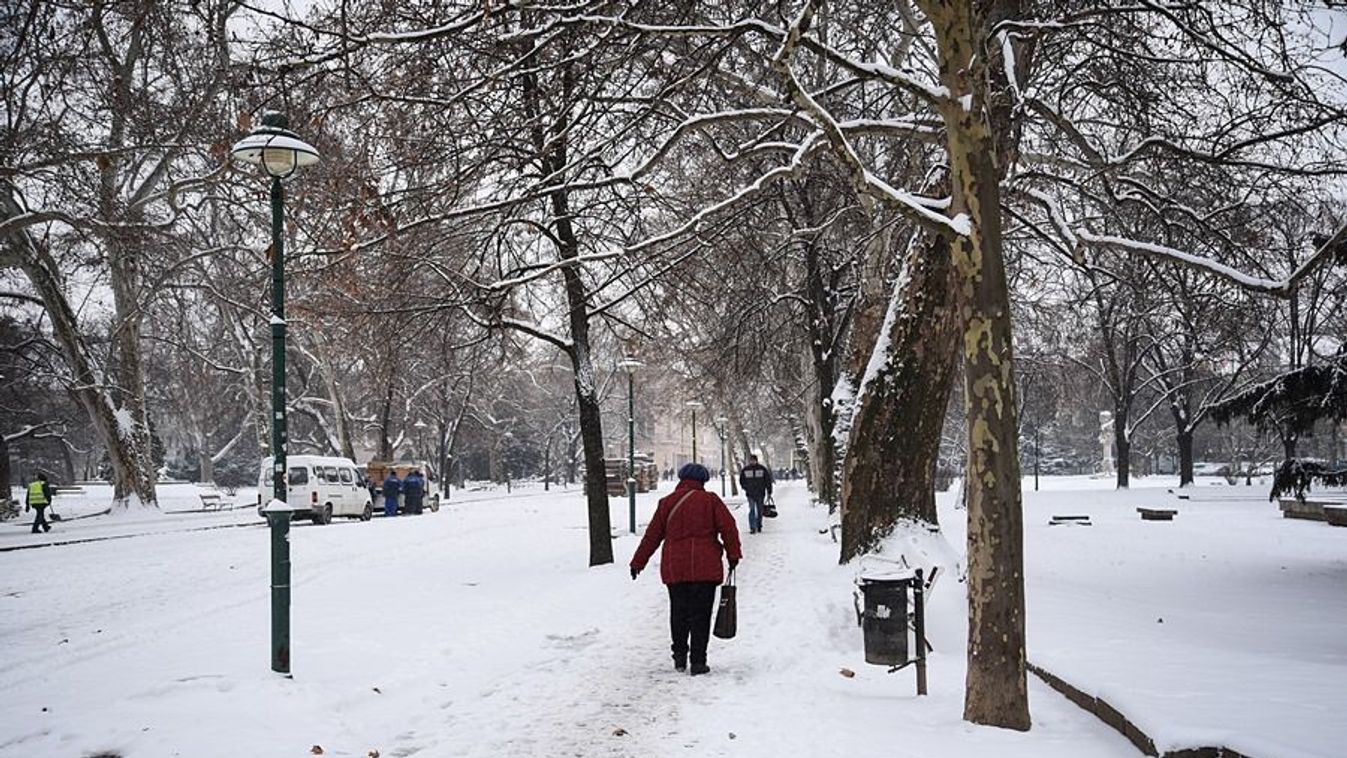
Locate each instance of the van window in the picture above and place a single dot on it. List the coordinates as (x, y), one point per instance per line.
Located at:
(299, 475)
(346, 475)
(330, 474)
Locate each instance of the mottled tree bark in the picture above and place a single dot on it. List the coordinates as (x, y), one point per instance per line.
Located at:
(128, 475)
(996, 691)
(889, 472)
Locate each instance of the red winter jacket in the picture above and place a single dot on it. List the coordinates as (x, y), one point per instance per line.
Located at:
(691, 550)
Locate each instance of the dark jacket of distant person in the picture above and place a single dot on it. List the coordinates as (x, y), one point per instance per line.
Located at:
(756, 479)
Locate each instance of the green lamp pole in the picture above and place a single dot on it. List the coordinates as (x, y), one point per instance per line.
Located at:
(630, 365)
(722, 424)
(694, 405)
(279, 152)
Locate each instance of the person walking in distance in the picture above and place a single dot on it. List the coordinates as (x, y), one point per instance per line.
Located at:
(695, 527)
(39, 497)
(756, 479)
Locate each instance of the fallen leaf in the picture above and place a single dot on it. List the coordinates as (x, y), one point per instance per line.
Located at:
(848, 673)
(733, 735)
(316, 750)
(376, 689)
(619, 732)
(373, 754)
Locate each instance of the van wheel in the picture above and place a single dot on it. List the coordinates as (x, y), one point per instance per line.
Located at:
(435, 504)
(368, 513)
(324, 515)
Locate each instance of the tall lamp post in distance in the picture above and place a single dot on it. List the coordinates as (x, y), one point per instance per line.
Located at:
(279, 152)
(694, 405)
(420, 427)
(629, 365)
(722, 426)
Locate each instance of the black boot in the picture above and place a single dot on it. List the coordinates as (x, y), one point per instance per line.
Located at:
(700, 668)
(680, 662)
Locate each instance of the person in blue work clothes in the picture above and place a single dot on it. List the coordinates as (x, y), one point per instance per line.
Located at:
(414, 491)
(392, 488)
(756, 479)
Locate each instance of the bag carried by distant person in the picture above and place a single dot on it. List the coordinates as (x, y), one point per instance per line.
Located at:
(769, 508)
(727, 612)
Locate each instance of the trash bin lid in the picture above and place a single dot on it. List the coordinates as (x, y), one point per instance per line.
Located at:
(894, 575)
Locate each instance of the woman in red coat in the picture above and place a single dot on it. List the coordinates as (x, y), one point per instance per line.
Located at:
(693, 524)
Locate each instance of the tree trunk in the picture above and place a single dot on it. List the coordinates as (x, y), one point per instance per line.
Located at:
(129, 478)
(1184, 437)
(547, 466)
(385, 420)
(67, 462)
(130, 372)
(996, 690)
(889, 472)
(5, 489)
(205, 465)
(1122, 448)
(824, 361)
(596, 477)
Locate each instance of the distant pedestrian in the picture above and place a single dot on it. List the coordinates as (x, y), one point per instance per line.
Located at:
(414, 491)
(392, 488)
(39, 497)
(695, 527)
(756, 479)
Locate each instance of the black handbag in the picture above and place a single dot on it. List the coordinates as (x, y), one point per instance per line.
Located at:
(769, 508)
(727, 613)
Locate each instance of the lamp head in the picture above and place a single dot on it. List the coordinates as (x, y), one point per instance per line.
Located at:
(274, 147)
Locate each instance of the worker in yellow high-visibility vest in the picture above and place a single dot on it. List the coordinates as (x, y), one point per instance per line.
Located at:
(39, 497)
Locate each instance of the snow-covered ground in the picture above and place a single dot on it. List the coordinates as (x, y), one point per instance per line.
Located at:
(479, 631)
(1226, 627)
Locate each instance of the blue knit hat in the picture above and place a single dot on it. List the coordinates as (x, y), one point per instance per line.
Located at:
(694, 471)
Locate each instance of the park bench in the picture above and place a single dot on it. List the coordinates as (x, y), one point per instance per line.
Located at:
(1057, 520)
(1336, 515)
(1157, 514)
(1311, 510)
(210, 501)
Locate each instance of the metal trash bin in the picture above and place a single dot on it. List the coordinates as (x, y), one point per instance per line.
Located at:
(884, 620)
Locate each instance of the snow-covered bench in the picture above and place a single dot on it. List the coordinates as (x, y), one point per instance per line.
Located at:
(1157, 514)
(1336, 514)
(1312, 510)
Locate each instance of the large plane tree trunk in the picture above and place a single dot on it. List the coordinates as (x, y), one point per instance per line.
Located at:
(889, 472)
(129, 478)
(996, 689)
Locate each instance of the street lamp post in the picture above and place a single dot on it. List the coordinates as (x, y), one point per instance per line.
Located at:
(694, 405)
(630, 365)
(722, 425)
(279, 152)
(420, 427)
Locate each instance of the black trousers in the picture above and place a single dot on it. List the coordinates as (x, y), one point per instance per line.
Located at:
(40, 520)
(690, 607)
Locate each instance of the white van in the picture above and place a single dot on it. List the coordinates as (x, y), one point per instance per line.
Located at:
(320, 487)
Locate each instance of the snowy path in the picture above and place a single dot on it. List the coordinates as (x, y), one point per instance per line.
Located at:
(477, 631)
